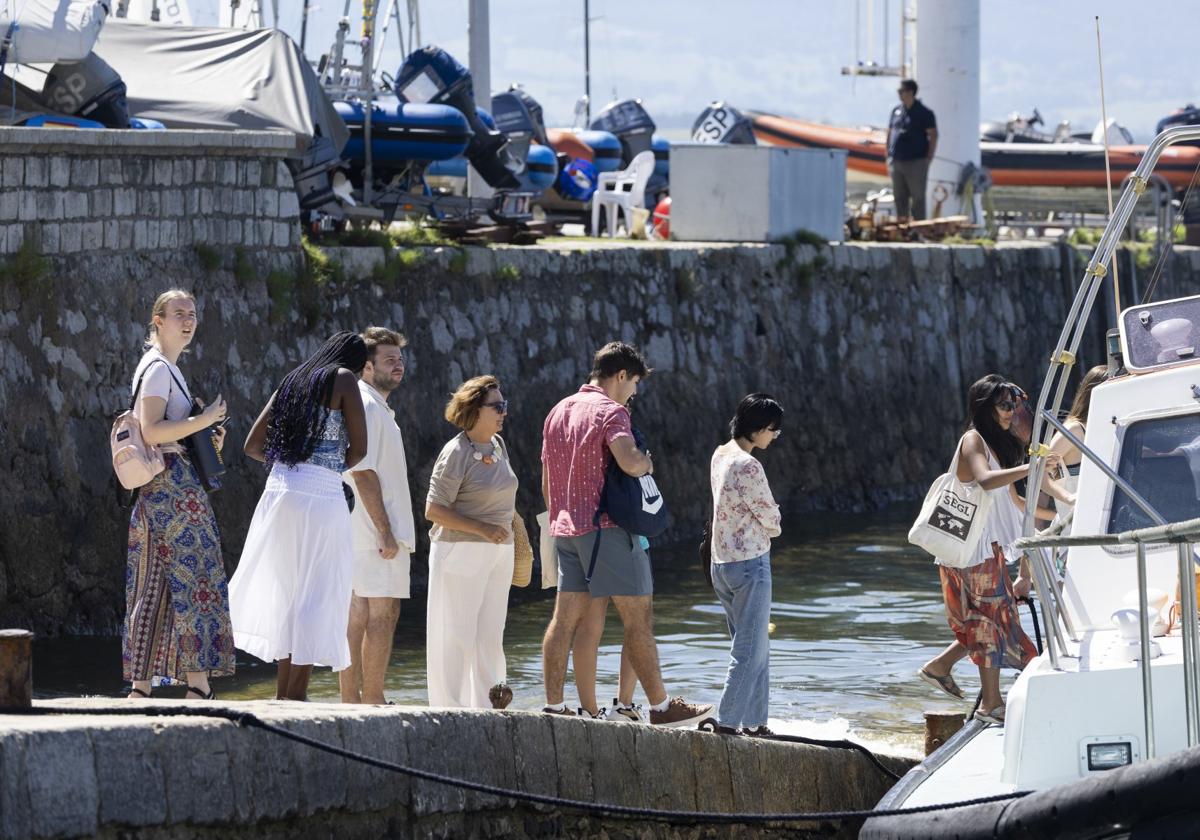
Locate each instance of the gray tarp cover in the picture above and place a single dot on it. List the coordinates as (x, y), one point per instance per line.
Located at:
(203, 77)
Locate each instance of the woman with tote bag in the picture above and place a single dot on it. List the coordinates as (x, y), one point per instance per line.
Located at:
(980, 599)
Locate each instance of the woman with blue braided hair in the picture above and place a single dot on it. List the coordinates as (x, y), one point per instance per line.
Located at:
(290, 596)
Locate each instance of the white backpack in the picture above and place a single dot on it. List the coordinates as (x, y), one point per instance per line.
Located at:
(134, 461)
(952, 518)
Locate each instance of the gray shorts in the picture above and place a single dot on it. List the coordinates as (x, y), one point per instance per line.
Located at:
(622, 566)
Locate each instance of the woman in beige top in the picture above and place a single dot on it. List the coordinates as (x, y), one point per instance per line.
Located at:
(471, 503)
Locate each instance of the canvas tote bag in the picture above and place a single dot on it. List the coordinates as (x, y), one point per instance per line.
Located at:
(952, 518)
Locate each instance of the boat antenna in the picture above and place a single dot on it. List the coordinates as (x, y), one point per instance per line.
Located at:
(1116, 283)
(587, 63)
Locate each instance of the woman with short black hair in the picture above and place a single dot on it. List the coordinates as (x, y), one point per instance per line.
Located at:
(290, 595)
(745, 518)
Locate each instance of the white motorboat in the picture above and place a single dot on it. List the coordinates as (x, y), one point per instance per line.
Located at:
(1102, 727)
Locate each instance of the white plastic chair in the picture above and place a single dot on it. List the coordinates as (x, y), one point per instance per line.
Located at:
(622, 191)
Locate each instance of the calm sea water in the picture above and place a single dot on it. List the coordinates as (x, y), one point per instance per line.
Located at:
(857, 611)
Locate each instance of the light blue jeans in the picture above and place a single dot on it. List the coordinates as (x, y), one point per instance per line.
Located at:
(744, 589)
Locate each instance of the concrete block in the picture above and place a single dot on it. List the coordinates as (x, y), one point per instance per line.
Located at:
(229, 172)
(266, 203)
(126, 235)
(167, 236)
(244, 202)
(28, 210)
(205, 172)
(744, 774)
(674, 784)
(265, 232)
(50, 205)
(191, 201)
(321, 778)
(124, 202)
(283, 234)
(110, 171)
(138, 172)
(12, 172)
(183, 171)
(75, 204)
(263, 776)
(424, 734)
(37, 172)
(93, 236)
(16, 820)
(153, 228)
(11, 238)
(129, 774)
(85, 172)
(101, 203)
(533, 751)
(70, 238)
(239, 234)
(60, 171)
(283, 177)
(162, 172)
(149, 203)
(616, 752)
(270, 174)
(112, 234)
(183, 763)
(714, 785)
(289, 205)
(172, 203)
(369, 788)
(206, 200)
(199, 231)
(183, 232)
(571, 740)
(251, 173)
(141, 235)
(62, 761)
(10, 205)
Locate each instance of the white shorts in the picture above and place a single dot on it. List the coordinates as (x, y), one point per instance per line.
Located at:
(375, 577)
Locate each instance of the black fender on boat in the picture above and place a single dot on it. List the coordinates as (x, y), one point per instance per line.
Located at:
(1155, 798)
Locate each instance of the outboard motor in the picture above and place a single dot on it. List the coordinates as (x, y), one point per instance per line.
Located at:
(535, 114)
(514, 121)
(89, 88)
(431, 75)
(721, 123)
(1187, 115)
(632, 125)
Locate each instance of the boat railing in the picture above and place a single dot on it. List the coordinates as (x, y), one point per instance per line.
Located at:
(1183, 534)
(1062, 360)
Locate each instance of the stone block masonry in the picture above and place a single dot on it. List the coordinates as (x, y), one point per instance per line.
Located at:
(77, 191)
(131, 776)
(870, 349)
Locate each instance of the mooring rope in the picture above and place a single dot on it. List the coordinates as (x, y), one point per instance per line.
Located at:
(249, 719)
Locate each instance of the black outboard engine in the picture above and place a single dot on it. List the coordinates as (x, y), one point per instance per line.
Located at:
(431, 75)
(721, 123)
(515, 122)
(629, 121)
(88, 88)
(535, 114)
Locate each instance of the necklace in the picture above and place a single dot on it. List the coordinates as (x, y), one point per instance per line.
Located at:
(489, 459)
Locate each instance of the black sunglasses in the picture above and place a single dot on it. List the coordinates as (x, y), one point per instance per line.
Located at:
(501, 406)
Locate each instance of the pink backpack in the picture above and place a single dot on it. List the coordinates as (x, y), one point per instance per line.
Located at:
(134, 461)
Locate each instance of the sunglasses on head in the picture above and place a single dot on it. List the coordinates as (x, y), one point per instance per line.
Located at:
(501, 406)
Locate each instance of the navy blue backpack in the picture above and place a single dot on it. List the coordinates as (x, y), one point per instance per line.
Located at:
(635, 504)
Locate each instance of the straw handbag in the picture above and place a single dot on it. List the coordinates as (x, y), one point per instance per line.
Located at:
(522, 553)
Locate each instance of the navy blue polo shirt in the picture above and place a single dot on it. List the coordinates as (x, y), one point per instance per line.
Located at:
(907, 139)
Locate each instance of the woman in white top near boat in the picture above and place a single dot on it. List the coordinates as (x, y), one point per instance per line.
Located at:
(981, 599)
(290, 595)
(1076, 423)
(745, 518)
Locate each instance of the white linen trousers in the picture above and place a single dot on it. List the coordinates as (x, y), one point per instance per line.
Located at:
(464, 625)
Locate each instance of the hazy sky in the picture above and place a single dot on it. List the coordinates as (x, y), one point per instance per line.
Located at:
(786, 55)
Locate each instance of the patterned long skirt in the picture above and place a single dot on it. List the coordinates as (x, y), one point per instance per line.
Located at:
(176, 598)
(982, 611)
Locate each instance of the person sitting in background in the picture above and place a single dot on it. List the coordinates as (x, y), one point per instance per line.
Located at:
(745, 519)
(471, 503)
(290, 595)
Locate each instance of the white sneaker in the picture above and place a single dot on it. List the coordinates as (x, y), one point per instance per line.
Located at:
(584, 713)
(622, 714)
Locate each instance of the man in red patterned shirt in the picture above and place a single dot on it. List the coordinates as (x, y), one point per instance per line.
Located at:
(581, 434)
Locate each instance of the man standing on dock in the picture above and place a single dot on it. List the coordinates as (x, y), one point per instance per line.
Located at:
(580, 436)
(911, 143)
(382, 524)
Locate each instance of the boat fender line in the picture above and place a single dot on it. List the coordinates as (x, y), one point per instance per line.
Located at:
(250, 720)
(840, 744)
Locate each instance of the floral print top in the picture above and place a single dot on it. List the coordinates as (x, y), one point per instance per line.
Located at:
(745, 515)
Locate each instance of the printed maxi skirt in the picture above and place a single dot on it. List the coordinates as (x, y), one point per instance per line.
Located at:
(982, 611)
(176, 598)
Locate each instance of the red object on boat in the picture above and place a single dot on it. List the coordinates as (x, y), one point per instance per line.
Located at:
(567, 142)
(1010, 164)
(662, 219)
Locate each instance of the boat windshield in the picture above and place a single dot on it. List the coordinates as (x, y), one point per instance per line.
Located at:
(1161, 459)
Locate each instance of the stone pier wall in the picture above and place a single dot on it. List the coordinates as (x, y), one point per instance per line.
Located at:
(120, 776)
(869, 348)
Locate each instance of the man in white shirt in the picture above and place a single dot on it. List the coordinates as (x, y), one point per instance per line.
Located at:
(382, 524)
